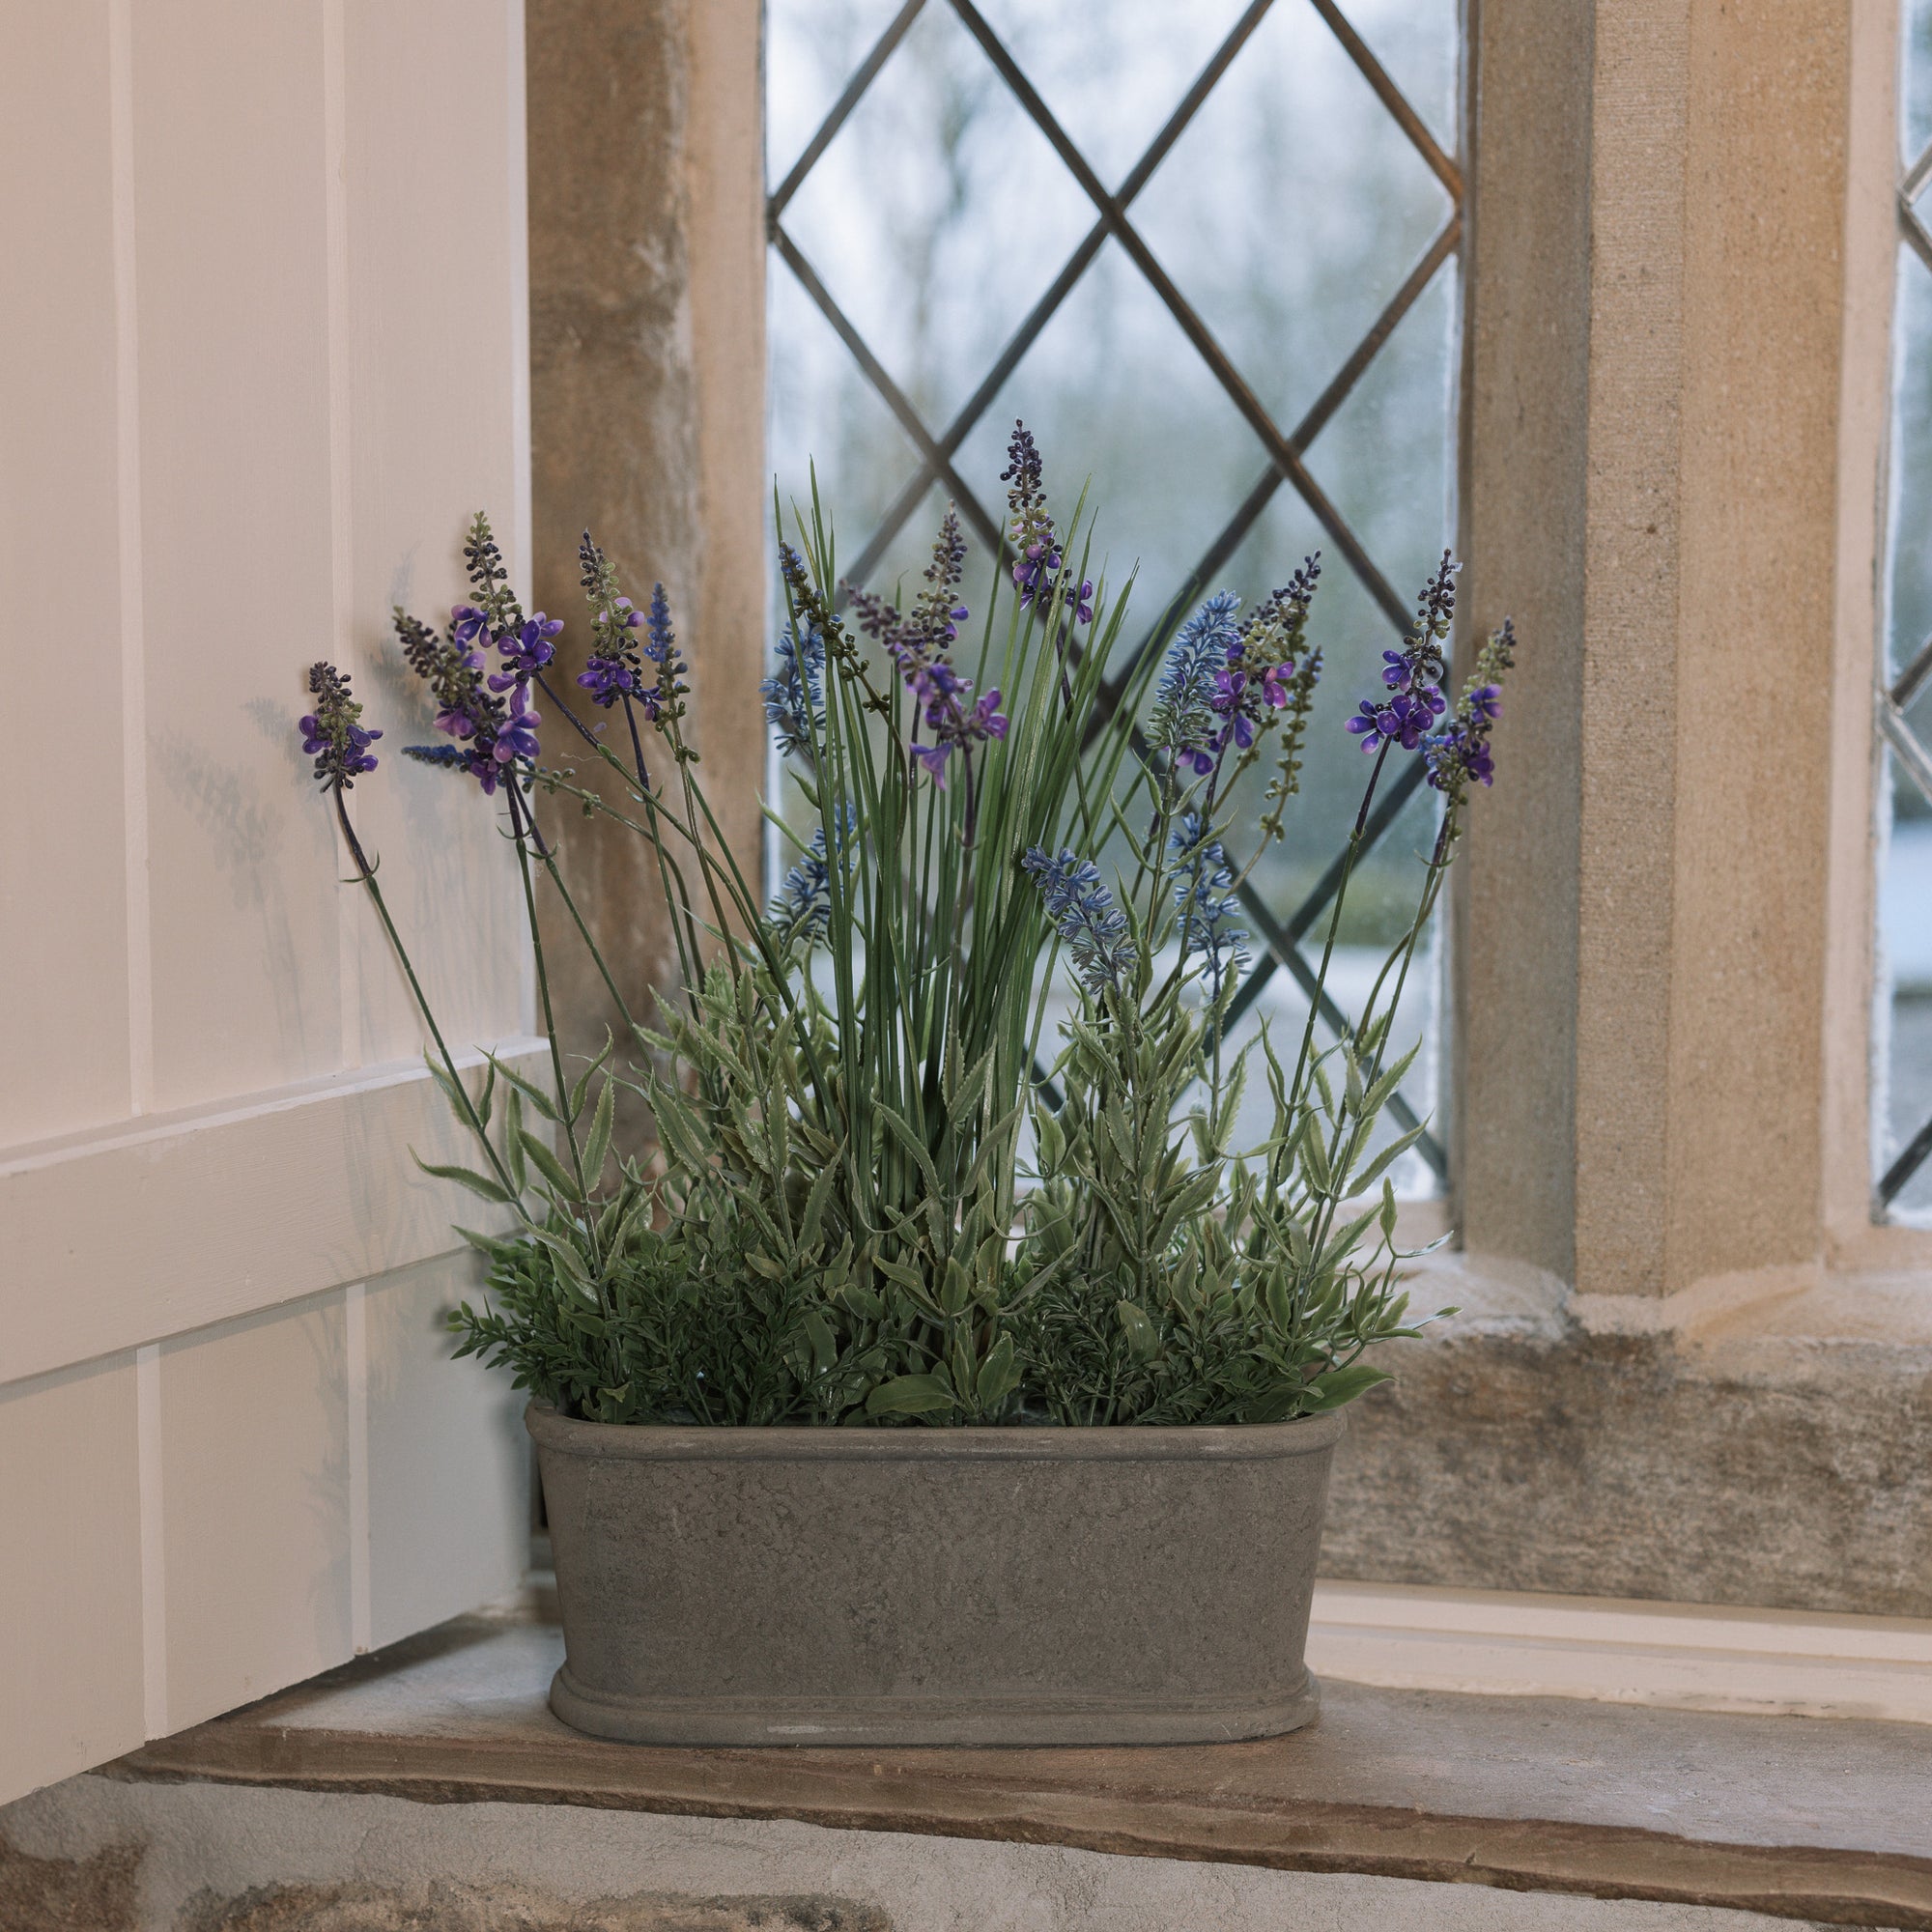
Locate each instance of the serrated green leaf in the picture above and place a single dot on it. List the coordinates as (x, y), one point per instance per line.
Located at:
(466, 1177)
(598, 1145)
(549, 1166)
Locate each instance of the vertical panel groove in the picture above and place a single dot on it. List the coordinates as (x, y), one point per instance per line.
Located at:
(153, 1547)
(341, 495)
(356, 1359)
(133, 666)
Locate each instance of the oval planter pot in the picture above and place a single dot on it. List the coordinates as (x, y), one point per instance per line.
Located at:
(934, 1586)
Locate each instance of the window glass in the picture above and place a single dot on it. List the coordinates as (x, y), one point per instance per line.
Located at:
(1289, 168)
(1903, 1089)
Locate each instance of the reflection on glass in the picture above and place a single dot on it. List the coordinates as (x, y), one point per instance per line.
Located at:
(1288, 211)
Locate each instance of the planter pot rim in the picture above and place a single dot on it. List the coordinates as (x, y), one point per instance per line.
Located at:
(648, 1442)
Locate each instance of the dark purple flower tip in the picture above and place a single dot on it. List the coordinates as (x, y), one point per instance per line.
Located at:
(332, 734)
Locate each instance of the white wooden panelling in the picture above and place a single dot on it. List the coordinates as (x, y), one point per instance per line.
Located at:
(448, 1460)
(430, 230)
(236, 496)
(1690, 1656)
(58, 444)
(266, 316)
(179, 1222)
(69, 1574)
(255, 1495)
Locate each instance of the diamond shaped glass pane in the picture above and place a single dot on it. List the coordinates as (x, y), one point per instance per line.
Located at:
(938, 215)
(1420, 47)
(1289, 212)
(1292, 210)
(816, 50)
(1114, 394)
(1915, 61)
(1112, 91)
(1902, 1044)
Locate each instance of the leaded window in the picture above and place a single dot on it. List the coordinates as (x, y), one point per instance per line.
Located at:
(1902, 1123)
(1208, 251)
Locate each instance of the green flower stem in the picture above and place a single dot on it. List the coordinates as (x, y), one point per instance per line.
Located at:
(367, 873)
(1335, 923)
(521, 828)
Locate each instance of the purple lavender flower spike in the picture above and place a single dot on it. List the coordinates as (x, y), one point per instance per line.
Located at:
(332, 734)
(919, 641)
(1459, 754)
(1037, 565)
(1092, 924)
(527, 650)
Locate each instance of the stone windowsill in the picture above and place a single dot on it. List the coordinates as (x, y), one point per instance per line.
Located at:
(1814, 1820)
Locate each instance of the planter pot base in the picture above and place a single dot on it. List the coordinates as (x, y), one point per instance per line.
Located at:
(934, 1586)
(888, 1723)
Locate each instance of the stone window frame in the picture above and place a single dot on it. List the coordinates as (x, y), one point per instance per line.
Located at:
(1681, 271)
(1690, 1364)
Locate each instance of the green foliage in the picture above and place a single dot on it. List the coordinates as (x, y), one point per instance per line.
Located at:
(864, 1205)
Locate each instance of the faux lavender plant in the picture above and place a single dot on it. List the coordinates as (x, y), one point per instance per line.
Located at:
(880, 1190)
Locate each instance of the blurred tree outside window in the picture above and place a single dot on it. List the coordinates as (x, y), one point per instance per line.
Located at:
(1305, 211)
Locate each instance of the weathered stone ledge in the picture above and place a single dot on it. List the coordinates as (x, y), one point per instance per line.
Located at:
(1819, 1821)
(1775, 1452)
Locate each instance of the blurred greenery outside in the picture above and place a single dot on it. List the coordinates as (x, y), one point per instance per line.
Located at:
(1289, 213)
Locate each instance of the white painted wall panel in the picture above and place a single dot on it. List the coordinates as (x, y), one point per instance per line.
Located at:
(448, 1473)
(231, 240)
(255, 1499)
(432, 227)
(59, 559)
(69, 1574)
(266, 344)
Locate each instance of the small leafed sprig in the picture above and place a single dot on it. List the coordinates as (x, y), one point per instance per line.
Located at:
(1092, 926)
(332, 734)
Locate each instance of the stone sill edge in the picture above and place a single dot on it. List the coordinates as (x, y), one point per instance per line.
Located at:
(1834, 1886)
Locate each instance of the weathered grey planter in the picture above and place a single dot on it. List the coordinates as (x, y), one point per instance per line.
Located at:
(941, 1586)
